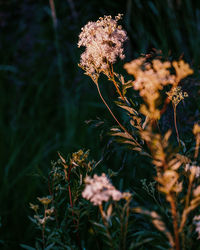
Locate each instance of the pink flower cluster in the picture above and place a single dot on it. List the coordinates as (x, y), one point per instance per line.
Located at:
(99, 189)
(103, 40)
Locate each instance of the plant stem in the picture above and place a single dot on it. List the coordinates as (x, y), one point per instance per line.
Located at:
(127, 209)
(70, 193)
(106, 225)
(121, 126)
(175, 124)
(175, 222)
(191, 179)
(71, 204)
(43, 227)
(117, 88)
(51, 192)
(167, 101)
(43, 238)
(112, 78)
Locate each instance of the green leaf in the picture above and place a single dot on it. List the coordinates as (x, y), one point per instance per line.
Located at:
(49, 246)
(27, 247)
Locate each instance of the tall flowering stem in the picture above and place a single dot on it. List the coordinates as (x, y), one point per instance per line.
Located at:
(98, 190)
(175, 124)
(176, 95)
(121, 126)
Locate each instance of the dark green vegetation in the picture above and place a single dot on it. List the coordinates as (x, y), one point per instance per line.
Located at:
(45, 99)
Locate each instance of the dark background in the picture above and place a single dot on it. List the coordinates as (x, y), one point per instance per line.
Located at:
(45, 98)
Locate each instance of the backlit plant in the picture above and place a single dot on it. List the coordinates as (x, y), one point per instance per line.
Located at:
(86, 209)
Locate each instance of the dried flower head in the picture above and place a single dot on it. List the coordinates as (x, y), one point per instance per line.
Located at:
(176, 95)
(99, 189)
(103, 40)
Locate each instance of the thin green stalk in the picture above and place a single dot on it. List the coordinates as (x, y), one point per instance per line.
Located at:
(43, 227)
(127, 210)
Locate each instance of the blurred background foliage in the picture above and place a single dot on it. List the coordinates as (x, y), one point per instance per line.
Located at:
(45, 98)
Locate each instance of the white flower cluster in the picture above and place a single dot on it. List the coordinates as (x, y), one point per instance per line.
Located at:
(103, 41)
(99, 189)
(196, 221)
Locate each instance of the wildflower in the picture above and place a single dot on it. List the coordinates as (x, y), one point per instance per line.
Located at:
(99, 189)
(45, 200)
(34, 207)
(150, 78)
(49, 211)
(42, 221)
(103, 40)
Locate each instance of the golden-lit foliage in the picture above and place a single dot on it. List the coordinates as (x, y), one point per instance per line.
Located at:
(150, 79)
